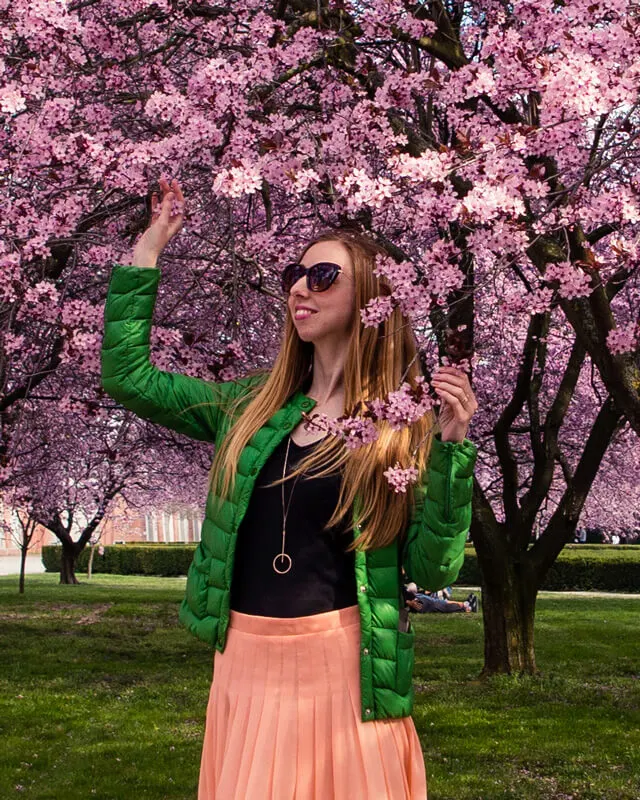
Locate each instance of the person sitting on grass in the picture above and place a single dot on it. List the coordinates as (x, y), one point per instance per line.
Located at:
(443, 594)
(424, 603)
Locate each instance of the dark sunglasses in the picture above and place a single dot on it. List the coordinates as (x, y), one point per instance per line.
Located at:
(319, 277)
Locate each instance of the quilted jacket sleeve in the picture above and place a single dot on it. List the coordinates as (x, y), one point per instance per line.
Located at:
(184, 404)
(433, 550)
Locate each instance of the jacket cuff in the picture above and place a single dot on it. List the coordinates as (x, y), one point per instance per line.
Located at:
(126, 278)
(462, 455)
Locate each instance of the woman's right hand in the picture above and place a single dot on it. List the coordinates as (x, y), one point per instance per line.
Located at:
(164, 225)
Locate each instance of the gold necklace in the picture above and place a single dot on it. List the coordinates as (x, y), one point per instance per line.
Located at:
(284, 556)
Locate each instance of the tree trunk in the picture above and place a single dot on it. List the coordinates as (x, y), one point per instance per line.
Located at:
(508, 610)
(23, 566)
(90, 565)
(68, 565)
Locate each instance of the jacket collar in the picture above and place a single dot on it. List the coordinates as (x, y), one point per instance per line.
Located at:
(301, 401)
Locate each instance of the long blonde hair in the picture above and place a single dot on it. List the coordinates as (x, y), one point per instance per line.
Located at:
(376, 361)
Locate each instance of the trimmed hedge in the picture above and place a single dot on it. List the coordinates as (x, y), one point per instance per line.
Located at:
(165, 560)
(580, 567)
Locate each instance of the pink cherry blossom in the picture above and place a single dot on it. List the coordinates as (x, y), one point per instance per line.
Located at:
(399, 478)
(11, 101)
(624, 339)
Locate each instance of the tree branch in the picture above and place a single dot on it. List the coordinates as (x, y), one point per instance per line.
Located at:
(562, 525)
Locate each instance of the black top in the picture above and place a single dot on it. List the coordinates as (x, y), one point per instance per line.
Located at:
(322, 574)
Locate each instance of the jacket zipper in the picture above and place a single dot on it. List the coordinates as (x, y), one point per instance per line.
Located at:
(447, 494)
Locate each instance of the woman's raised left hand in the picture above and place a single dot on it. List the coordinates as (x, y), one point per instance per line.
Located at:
(457, 402)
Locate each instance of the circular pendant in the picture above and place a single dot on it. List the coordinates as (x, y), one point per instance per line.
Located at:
(282, 557)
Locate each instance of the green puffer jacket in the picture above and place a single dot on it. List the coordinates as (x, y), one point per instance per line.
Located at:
(432, 552)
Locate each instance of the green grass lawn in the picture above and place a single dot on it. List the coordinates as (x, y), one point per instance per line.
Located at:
(103, 696)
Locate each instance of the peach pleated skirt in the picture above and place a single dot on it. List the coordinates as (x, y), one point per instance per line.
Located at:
(283, 718)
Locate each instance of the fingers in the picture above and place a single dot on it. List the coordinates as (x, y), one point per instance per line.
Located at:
(462, 391)
(170, 193)
(453, 385)
(451, 374)
(157, 207)
(457, 406)
(165, 208)
(177, 190)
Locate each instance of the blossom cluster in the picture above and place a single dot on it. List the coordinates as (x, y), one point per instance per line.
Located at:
(408, 292)
(624, 339)
(399, 478)
(404, 406)
(303, 179)
(167, 106)
(538, 301)
(355, 431)
(399, 409)
(13, 343)
(82, 349)
(386, 14)
(238, 181)
(377, 310)
(11, 101)
(10, 274)
(80, 313)
(573, 281)
(359, 189)
(429, 166)
(69, 405)
(395, 272)
(41, 302)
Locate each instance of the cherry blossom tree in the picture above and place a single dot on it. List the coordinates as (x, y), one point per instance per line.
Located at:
(70, 467)
(27, 527)
(490, 148)
(544, 438)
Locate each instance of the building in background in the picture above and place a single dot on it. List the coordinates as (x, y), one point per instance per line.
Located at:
(175, 524)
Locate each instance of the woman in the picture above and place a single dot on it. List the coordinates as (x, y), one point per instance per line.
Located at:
(296, 581)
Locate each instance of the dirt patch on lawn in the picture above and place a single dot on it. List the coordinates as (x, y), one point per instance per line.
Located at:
(94, 615)
(61, 610)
